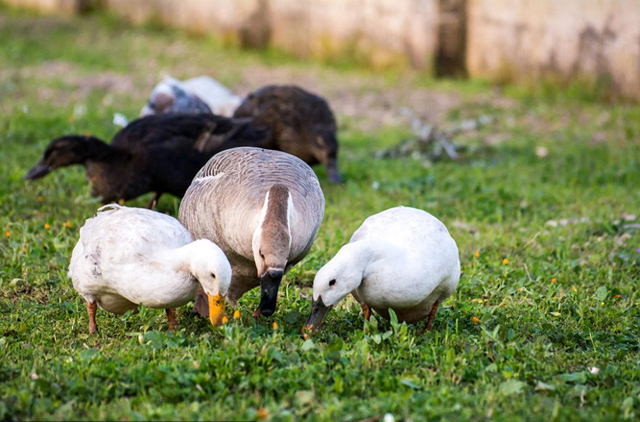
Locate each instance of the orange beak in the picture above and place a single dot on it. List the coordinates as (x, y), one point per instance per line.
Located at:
(216, 309)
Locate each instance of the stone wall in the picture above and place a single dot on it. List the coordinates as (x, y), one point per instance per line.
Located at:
(68, 7)
(380, 32)
(571, 38)
(495, 39)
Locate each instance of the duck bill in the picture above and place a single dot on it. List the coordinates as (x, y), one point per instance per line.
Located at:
(269, 285)
(318, 313)
(333, 174)
(216, 309)
(39, 170)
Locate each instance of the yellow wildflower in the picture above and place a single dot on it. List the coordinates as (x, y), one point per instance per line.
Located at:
(40, 198)
(275, 325)
(477, 254)
(68, 224)
(47, 226)
(236, 314)
(505, 261)
(7, 233)
(476, 320)
(262, 413)
(225, 319)
(553, 280)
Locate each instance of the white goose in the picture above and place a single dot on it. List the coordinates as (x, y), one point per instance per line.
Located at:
(130, 256)
(402, 258)
(263, 208)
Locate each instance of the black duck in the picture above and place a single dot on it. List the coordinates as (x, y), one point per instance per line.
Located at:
(159, 153)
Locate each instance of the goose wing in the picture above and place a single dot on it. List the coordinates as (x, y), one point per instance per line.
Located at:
(225, 198)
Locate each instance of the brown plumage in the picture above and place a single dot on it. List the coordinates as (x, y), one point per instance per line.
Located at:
(263, 208)
(301, 124)
(159, 153)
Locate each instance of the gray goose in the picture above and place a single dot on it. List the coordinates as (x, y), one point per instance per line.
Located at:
(263, 208)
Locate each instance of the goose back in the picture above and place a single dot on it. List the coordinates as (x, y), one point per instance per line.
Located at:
(225, 199)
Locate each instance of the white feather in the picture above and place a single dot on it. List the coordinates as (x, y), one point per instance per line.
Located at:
(129, 256)
(402, 258)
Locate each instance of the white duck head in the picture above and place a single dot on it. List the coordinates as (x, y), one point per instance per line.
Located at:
(339, 277)
(210, 266)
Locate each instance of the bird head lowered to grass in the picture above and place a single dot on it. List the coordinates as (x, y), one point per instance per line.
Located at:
(271, 245)
(333, 282)
(325, 148)
(67, 151)
(127, 257)
(402, 259)
(210, 267)
(263, 208)
(301, 124)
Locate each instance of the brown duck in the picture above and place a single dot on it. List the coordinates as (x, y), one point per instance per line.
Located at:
(301, 124)
(159, 153)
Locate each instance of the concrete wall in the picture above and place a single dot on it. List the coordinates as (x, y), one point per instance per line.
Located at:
(572, 38)
(495, 39)
(50, 6)
(380, 32)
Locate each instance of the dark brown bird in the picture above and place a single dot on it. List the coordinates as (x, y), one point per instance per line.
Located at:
(301, 124)
(159, 153)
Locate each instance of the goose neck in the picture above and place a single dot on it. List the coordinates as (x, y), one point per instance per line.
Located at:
(272, 237)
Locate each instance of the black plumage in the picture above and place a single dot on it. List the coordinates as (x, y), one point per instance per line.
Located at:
(158, 153)
(301, 123)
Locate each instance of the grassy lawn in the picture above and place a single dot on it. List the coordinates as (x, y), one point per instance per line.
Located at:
(545, 208)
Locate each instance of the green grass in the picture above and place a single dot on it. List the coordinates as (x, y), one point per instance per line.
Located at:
(528, 356)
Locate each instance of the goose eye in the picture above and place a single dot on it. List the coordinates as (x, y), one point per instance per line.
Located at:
(332, 282)
(261, 255)
(213, 275)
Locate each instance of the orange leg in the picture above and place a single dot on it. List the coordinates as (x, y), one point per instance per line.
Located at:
(171, 316)
(366, 311)
(91, 310)
(432, 316)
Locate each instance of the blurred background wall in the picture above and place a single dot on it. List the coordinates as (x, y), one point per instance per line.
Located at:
(500, 40)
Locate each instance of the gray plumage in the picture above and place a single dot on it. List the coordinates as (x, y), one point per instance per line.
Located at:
(225, 204)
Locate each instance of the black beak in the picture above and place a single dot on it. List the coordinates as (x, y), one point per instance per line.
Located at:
(269, 284)
(332, 171)
(39, 170)
(318, 312)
